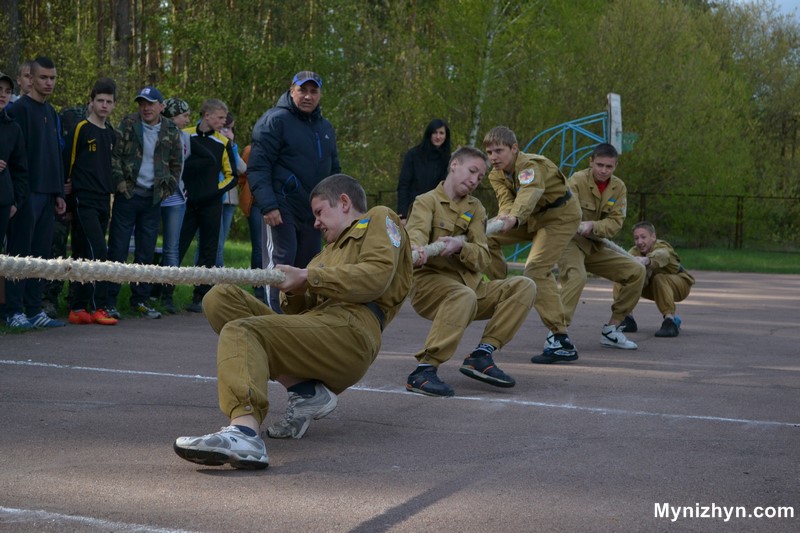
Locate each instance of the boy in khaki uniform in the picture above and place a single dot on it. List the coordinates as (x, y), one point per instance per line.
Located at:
(449, 288)
(603, 200)
(336, 309)
(536, 206)
(666, 282)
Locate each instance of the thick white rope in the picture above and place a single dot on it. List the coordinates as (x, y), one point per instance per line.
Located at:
(86, 270)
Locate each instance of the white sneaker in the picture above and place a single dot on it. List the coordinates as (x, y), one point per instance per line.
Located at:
(550, 341)
(228, 445)
(301, 410)
(613, 336)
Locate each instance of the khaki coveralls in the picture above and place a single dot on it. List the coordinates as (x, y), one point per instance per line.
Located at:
(451, 291)
(537, 194)
(356, 286)
(667, 281)
(607, 210)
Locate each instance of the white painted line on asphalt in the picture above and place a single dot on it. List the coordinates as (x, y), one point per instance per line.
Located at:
(524, 403)
(11, 515)
(109, 370)
(600, 410)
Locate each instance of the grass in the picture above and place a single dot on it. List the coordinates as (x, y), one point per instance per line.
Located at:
(727, 260)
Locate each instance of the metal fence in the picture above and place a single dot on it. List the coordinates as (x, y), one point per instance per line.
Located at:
(766, 223)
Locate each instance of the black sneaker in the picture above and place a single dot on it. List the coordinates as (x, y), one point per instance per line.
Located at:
(629, 325)
(168, 304)
(424, 380)
(195, 307)
(484, 369)
(668, 329)
(559, 349)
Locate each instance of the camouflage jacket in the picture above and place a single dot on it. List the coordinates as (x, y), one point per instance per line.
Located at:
(127, 157)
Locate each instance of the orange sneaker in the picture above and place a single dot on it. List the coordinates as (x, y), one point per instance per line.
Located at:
(101, 316)
(80, 316)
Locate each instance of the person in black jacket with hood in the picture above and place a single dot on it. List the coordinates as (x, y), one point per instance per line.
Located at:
(424, 166)
(294, 148)
(13, 161)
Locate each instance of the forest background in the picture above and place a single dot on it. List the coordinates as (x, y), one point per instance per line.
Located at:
(710, 89)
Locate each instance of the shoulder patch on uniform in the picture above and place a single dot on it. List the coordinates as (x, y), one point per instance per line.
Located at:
(526, 177)
(393, 232)
(363, 223)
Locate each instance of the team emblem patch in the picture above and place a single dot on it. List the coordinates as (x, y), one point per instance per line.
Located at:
(526, 177)
(393, 232)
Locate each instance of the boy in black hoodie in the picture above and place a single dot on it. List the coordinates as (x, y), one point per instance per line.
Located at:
(211, 154)
(13, 161)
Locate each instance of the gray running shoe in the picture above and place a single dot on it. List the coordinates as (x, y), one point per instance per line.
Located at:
(301, 410)
(145, 311)
(227, 446)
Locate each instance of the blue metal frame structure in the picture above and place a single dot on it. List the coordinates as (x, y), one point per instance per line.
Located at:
(571, 139)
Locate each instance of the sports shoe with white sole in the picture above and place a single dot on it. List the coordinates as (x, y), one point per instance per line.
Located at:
(557, 348)
(227, 446)
(41, 320)
(143, 310)
(300, 411)
(613, 337)
(550, 341)
(19, 321)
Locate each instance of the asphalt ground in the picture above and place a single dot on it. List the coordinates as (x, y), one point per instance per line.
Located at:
(708, 422)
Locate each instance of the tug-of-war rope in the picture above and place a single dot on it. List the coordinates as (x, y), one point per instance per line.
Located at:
(85, 270)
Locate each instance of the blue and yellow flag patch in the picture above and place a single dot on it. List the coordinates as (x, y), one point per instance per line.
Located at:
(611, 202)
(363, 223)
(466, 216)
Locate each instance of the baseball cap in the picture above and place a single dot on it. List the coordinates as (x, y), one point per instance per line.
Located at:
(306, 75)
(174, 107)
(151, 94)
(8, 79)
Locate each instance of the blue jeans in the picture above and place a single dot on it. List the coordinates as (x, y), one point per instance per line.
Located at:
(224, 230)
(171, 220)
(30, 233)
(255, 222)
(139, 213)
(293, 243)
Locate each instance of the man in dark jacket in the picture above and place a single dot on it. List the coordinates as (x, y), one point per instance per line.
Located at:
(30, 232)
(13, 161)
(294, 148)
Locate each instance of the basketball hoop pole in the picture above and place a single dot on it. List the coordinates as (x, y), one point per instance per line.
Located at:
(615, 121)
